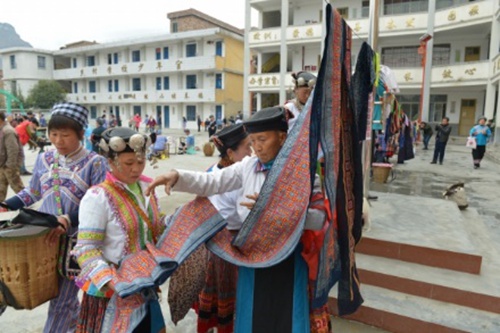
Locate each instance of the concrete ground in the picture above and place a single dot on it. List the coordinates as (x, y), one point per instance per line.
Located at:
(31, 321)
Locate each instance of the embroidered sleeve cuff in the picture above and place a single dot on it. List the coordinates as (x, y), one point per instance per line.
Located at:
(101, 274)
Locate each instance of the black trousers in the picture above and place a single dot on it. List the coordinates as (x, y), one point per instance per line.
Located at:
(439, 151)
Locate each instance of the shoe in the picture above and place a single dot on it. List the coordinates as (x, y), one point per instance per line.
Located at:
(26, 173)
(476, 167)
(433, 162)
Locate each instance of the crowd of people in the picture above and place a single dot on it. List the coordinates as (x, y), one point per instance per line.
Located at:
(102, 198)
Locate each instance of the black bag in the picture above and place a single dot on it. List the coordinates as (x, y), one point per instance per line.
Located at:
(67, 265)
(29, 216)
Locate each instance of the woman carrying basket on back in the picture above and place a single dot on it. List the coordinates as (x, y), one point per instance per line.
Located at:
(60, 179)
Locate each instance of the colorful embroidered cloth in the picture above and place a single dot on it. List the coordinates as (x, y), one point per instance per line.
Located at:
(274, 227)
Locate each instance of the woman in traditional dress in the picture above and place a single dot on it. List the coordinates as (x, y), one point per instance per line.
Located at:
(482, 133)
(268, 299)
(60, 179)
(212, 287)
(117, 220)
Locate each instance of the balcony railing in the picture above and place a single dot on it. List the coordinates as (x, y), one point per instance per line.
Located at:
(413, 23)
(141, 97)
(138, 68)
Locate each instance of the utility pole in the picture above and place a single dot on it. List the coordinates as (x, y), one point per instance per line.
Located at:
(367, 147)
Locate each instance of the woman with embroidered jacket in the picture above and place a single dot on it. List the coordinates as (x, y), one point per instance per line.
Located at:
(482, 133)
(60, 179)
(268, 299)
(117, 220)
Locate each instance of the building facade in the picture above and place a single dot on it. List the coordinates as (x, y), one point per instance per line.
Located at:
(195, 70)
(462, 77)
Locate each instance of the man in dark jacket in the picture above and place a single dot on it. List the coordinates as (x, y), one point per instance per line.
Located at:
(427, 131)
(443, 131)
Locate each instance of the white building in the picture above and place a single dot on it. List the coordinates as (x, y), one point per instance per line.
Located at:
(463, 76)
(195, 70)
(23, 67)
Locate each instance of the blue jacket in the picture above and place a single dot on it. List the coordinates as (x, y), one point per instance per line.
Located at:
(477, 132)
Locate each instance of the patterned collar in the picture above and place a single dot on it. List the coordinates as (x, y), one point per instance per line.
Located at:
(262, 167)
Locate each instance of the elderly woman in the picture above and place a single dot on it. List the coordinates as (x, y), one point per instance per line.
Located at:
(117, 220)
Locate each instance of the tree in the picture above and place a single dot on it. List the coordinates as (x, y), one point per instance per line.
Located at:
(45, 94)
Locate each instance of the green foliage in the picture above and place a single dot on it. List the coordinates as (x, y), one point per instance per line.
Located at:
(45, 93)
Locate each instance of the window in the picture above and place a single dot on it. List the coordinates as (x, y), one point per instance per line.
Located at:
(112, 58)
(158, 53)
(90, 61)
(115, 58)
(344, 12)
(41, 62)
(93, 112)
(166, 83)
(92, 87)
(137, 109)
(191, 112)
(437, 108)
(117, 85)
(218, 81)
(75, 62)
(393, 7)
(410, 104)
(218, 48)
(218, 113)
(441, 54)
(165, 52)
(110, 85)
(191, 50)
(75, 87)
(13, 64)
(13, 87)
(404, 56)
(190, 81)
(136, 84)
(158, 83)
(174, 27)
(136, 56)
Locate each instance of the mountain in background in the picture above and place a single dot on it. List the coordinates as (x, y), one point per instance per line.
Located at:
(10, 38)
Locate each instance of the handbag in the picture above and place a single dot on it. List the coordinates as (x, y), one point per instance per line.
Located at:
(67, 266)
(471, 142)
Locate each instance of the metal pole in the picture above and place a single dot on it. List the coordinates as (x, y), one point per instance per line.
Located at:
(367, 147)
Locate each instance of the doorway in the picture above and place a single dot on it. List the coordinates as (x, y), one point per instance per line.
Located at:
(467, 116)
(166, 116)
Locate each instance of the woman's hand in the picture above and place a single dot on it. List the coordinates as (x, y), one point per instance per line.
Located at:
(249, 204)
(168, 180)
(54, 235)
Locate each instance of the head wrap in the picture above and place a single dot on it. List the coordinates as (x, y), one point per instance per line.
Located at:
(304, 79)
(268, 119)
(123, 139)
(73, 111)
(229, 137)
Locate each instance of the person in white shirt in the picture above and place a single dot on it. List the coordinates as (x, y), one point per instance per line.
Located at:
(117, 220)
(217, 296)
(272, 299)
(304, 83)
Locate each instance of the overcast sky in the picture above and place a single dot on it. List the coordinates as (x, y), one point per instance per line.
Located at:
(50, 24)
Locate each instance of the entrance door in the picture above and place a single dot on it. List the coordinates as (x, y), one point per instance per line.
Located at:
(472, 53)
(166, 116)
(467, 116)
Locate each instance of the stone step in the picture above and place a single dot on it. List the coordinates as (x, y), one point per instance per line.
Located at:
(461, 262)
(480, 292)
(420, 230)
(402, 313)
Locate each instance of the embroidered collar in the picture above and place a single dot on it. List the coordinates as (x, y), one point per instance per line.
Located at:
(261, 167)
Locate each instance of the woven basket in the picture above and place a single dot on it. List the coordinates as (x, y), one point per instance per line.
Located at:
(381, 172)
(208, 149)
(28, 268)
